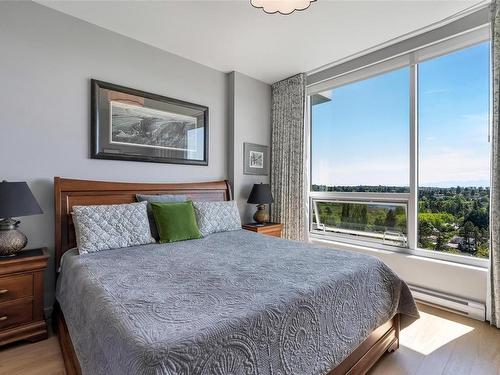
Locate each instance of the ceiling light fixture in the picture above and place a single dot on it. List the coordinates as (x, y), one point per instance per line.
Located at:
(281, 6)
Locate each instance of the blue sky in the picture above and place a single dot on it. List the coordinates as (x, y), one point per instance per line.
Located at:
(361, 137)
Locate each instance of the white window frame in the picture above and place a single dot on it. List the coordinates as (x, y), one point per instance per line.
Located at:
(409, 59)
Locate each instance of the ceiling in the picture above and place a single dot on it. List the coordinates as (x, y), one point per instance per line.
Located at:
(232, 35)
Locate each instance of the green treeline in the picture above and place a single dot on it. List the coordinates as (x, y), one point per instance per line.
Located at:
(454, 220)
(363, 217)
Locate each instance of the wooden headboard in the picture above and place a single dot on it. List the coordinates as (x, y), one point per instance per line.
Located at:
(69, 193)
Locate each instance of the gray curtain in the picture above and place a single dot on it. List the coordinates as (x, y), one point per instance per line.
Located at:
(287, 155)
(495, 180)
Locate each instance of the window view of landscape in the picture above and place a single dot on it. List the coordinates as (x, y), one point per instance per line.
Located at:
(454, 220)
(360, 143)
(384, 223)
(454, 153)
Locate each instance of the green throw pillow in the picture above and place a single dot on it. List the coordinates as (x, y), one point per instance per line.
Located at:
(175, 221)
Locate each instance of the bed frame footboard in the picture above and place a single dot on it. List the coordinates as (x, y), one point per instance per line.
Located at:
(384, 339)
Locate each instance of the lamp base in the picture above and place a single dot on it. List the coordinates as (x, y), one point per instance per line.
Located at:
(261, 216)
(12, 240)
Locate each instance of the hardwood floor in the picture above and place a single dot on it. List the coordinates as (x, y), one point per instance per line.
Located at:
(443, 343)
(438, 343)
(39, 358)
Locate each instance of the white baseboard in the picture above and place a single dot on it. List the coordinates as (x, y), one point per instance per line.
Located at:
(458, 305)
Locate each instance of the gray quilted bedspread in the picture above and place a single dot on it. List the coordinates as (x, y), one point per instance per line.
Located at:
(231, 303)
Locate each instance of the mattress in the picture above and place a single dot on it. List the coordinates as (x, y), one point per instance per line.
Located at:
(230, 303)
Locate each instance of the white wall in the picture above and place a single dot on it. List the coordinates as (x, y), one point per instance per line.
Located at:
(249, 121)
(447, 277)
(47, 60)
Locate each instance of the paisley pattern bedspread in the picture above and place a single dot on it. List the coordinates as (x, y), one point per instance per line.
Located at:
(230, 303)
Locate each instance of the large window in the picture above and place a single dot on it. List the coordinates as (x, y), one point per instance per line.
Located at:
(401, 156)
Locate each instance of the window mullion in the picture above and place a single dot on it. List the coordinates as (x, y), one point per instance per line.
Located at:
(413, 200)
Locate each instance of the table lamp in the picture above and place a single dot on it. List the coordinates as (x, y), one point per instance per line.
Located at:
(261, 195)
(16, 199)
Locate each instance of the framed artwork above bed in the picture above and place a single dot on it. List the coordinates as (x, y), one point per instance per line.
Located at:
(128, 124)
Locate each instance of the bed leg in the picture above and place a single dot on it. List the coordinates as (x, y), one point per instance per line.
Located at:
(395, 344)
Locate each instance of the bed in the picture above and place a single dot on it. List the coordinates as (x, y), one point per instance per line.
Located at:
(230, 303)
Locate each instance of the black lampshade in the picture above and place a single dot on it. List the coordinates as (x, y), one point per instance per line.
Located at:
(260, 194)
(16, 199)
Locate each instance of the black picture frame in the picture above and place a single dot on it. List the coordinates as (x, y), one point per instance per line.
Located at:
(102, 142)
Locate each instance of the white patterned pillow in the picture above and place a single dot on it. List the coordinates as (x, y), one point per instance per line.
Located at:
(213, 217)
(105, 227)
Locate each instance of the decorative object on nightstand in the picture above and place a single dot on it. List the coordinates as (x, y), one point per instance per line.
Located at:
(21, 296)
(271, 229)
(261, 195)
(16, 199)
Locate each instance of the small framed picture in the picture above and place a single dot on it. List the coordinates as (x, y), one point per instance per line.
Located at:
(255, 159)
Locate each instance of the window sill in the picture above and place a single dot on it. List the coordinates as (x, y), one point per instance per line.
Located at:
(423, 255)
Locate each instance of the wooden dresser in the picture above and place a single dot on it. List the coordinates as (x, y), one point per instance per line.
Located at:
(21, 296)
(271, 229)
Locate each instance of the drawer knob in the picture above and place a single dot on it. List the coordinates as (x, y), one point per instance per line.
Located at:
(3, 318)
(3, 291)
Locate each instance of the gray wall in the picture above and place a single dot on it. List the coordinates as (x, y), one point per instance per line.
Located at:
(249, 121)
(47, 60)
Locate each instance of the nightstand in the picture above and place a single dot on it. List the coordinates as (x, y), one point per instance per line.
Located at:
(21, 296)
(271, 229)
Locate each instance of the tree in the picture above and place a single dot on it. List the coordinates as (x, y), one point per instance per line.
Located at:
(364, 215)
(439, 224)
(479, 217)
(440, 242)
(379, 223)
(345, 215)
(483, 252)
(468, 233)
(438, 219)
(328, 214)
(345, 211)
(390, 219)
(425, 230)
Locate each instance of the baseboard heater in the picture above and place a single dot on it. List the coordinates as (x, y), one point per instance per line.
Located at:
(447, 302)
